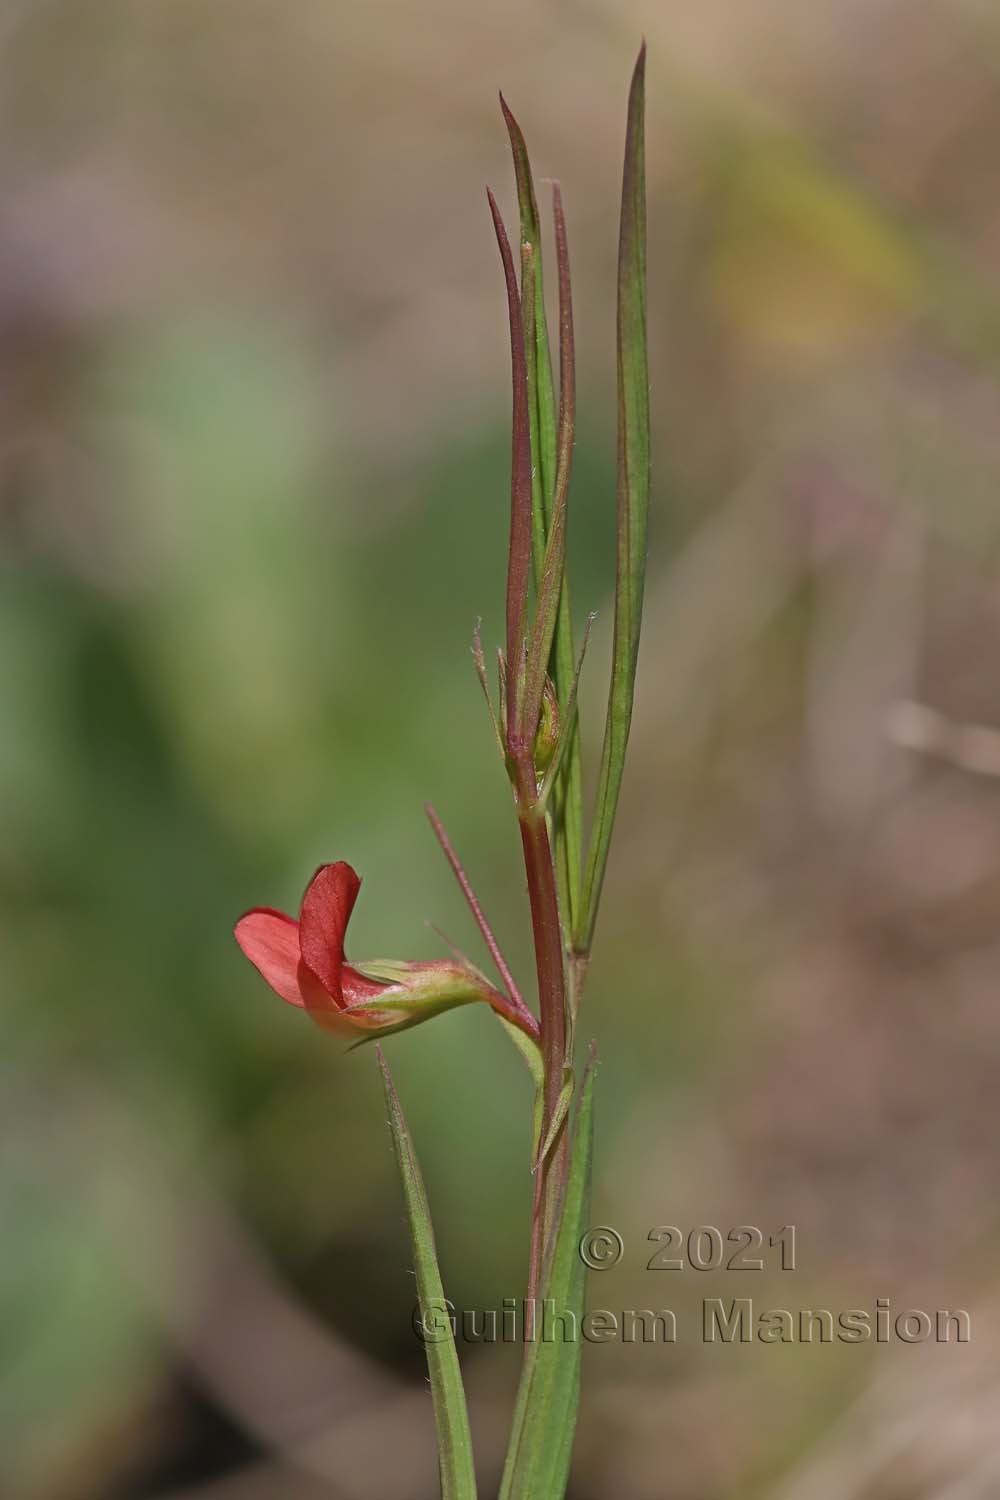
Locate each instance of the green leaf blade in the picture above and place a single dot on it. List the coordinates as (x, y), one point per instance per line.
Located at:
(541, 388)
(457, 1473)
(541, 1442)
(632, 498)
(520, 311)
(550, 581)
(568, 799)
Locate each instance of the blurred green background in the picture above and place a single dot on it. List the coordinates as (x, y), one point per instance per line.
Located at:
(253, 463)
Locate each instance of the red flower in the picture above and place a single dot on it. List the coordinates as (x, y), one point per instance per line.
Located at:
(304, 963)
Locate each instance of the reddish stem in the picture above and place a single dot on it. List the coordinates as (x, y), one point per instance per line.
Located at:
(547, 932)
(541, 877)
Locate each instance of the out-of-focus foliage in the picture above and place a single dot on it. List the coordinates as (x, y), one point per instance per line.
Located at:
(253, 472)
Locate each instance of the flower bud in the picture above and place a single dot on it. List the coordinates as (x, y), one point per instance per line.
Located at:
(547, 735)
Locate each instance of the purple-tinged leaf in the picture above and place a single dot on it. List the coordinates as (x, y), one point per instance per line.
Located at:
(567, 810)
(519, 557)
(553, 565)
(541, 390)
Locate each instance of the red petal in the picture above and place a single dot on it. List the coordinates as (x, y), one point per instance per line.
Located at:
(352, 1027)
(326, 911)
(270, 941)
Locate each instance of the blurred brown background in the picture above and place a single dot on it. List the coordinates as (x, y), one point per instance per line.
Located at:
(253, 460)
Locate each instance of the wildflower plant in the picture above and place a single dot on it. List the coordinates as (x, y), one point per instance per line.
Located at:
(538, 737)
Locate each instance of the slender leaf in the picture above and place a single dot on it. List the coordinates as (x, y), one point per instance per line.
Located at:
(519, 558)
(633, 497)
(553, 563)
(458, 1477)
(568, 799)
(542, 400)
(538, 1458)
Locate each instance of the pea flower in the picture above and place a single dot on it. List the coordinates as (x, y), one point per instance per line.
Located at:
(304, 963)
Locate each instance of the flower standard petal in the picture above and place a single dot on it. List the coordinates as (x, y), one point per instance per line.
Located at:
(326, 911)
(270, 941)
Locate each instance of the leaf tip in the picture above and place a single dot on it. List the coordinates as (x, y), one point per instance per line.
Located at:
(637, 88)
(510, 120)
(500, 229)
(392, 1099)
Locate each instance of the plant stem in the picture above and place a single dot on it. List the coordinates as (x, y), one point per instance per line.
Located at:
(541, 876)
(548, 942)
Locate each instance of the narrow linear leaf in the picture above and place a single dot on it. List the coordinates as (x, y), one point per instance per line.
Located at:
(632, 499)
(541, 388)
(553, 563)
(538, 1458)
(519, 558)
(458, 1477)
(524, 731)
(568, 777)
(568, 799)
